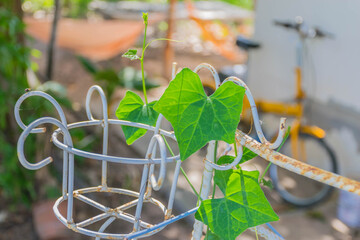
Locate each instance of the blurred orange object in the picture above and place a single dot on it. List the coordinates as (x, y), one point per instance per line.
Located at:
(98, 40)
(220, 36)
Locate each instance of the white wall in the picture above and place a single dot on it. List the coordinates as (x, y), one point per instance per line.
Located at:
(336, 62)
(332, 78)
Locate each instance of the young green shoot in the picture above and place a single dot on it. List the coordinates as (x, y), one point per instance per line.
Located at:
(132, 53)
(145, 17)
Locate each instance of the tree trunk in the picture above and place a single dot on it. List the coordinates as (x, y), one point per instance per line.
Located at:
(52, 42)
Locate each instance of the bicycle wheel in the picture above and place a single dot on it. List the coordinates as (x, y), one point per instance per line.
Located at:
(299, 190)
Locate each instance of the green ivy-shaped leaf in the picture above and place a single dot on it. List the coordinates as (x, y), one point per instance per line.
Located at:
(132, 108)
(243, 206)
(197, 118)
(131, 54)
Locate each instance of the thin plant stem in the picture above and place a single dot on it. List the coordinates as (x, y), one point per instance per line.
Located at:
(168, 146)
(142, 65)
(182, 170)
(192, 187)
(266, 169)
(256, 234)
(214, 186)
(215, 151)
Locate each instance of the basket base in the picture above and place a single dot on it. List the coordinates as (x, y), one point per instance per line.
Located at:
(111, 214)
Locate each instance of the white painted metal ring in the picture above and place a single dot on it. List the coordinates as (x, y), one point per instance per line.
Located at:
(27, 131)
(157, 140)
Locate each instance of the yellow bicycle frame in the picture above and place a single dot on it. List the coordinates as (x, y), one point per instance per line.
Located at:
(294, 110)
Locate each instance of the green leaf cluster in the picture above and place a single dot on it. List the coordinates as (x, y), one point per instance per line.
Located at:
(244, 205)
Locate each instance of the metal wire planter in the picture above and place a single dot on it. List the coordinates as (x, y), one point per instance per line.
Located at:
(148, 183)
(156, 155)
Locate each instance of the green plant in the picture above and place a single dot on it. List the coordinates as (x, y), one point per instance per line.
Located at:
(16, 183)
(198, 119)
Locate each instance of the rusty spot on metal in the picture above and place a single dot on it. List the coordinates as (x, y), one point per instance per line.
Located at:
(298, 166)
(149, 155)
(126, 206)
(147, 225)
(160, 181)
(167, 214)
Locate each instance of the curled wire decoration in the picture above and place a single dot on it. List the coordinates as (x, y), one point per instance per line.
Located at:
(103, 102)
(105, 126)
(155, 141)
(40, 94)
(42, 130)
(255, 115)
(212, 70)
(68, 173)
(25, 134)
(235, 162)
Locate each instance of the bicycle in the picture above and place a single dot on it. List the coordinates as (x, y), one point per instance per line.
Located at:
(306, 143)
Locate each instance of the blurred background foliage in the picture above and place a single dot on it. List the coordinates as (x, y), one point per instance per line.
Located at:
(79, 8)
(16, 182)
